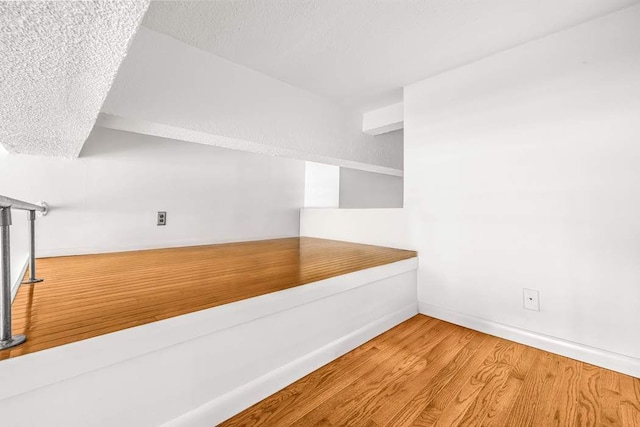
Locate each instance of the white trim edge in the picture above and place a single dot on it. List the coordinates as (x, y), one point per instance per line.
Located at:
(145, 127)
(383, 120)
(42, 368)
(16, 285)
(595, 356)
(226, 406)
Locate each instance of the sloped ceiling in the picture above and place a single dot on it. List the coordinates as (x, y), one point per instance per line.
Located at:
(57, 63)
(361, 52)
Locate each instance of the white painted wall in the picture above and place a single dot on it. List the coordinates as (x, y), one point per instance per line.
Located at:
(19, 244)
(362, 189)
(321, 185)
(167, 82)
(522, 171)
(19, 238)
(19, 250)
(108, 198)
(382, 227)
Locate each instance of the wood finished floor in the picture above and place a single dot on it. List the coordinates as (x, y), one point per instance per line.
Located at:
(86, 296)
(426, 372)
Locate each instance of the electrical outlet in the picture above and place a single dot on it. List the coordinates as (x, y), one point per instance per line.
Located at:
(531, 299)
(162, 218)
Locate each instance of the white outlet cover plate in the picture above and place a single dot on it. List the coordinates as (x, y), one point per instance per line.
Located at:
(531, 299)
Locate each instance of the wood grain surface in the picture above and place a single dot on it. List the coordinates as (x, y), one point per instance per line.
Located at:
(426, 372)
(90, 295)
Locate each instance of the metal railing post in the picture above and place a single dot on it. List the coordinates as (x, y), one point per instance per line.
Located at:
(6, 339)
(31, 215)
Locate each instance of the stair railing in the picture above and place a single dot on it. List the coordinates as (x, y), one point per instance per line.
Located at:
(7, 340)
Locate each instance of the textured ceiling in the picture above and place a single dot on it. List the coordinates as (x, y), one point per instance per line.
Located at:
(361, 52)
(57, 63)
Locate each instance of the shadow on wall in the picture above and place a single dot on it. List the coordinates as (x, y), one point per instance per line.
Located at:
(328, 186)
(361, 189)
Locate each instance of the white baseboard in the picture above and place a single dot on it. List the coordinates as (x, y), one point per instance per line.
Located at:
(243, 397)
(137, 246)
(595, 356)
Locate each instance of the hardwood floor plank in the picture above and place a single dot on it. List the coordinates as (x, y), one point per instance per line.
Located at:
(630, 392)
(393, 394)
(489, 398)
(447, 382)
(303, 395)
(528, 401)
(589, 412)
(599, 397)
(500, 408)
(554, 401)
(451, 355)
(563, 403)
(493, 372)
(91, 295)
(436, 373)
(347, 401)
(300, 397)
(454, 400)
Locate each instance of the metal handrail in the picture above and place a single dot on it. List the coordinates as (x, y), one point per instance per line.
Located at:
(8, 202)
(7, 340)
